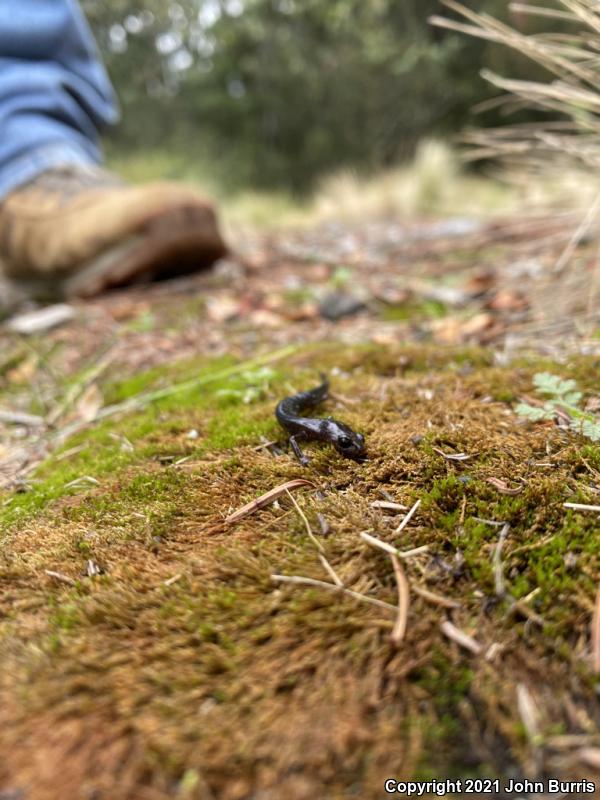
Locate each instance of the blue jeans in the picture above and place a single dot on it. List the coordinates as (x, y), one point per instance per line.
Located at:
(55, 96)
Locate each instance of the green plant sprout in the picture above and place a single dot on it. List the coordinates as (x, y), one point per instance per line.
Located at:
(563, 399)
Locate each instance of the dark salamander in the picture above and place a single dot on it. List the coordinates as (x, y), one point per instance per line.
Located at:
(343, 438)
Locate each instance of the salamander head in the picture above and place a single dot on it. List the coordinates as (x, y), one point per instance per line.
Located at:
(347, 442)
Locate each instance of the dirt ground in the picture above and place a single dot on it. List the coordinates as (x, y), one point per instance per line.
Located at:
(429, 613)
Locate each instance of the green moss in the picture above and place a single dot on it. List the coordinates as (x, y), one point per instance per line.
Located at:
(427, 309)
(115, 444)
(66, 616)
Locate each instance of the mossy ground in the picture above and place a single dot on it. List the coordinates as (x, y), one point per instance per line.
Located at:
(183, 670)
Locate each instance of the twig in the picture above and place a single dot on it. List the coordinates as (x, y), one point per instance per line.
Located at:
(302, 515)
(324, 525)
(389, 548)
(72, 451)
(21, 418)
(596, 635)
(436, 599)
(408, 517)
(60, 577)
(266, 499)
(528, 713)
(586, 224)
(581, 507)
(463, 510)
(491, 522)
(399, 630)
(297, 579)
(266, 445)
(330, 570)
(415, 551)
(523, 609)
(375, 542)
(453, 456)
(82, 480)
(387, 506)
(497, 561)
(590, 756)
(460, 637)
(78, 388)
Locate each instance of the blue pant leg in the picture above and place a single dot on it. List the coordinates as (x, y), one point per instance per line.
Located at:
(55, 95)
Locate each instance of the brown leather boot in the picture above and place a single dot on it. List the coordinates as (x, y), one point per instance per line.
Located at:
(77, 231)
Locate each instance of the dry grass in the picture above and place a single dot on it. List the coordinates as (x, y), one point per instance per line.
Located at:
(561, 151)
(433, 183)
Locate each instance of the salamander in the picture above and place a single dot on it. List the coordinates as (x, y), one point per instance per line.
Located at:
(346, 441)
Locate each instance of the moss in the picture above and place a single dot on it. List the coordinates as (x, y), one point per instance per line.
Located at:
(428, 309)
(189, 663)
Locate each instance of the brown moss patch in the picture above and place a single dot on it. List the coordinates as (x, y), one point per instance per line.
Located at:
(222, 683)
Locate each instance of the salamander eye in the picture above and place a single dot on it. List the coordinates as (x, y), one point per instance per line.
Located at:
(345, 442)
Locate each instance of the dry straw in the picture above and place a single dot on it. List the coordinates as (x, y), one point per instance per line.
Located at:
(556, 159)
(571, 93)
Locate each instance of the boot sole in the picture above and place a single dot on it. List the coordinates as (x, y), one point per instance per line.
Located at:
(173, 244)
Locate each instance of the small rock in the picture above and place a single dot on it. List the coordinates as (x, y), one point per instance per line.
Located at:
(448, 295)
(43, 319)
(336, 305)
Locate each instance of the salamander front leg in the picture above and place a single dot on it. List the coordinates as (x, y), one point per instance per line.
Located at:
(304, 460)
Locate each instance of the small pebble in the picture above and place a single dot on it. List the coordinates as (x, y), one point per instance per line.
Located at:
(336, 305)
(43, 319)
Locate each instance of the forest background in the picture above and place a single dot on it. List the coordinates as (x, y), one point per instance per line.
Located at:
(277, 94)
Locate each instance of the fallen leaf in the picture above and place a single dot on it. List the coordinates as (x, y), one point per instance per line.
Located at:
(125, 308)
(23, 373)
(477, 324)
(593, 404)
(453, 456)
(263, 318)
(90, 403)
(222, 308)
(508, 300)
(480, 282)
(503, 487)
(299, 313)
(447, 331)
(318, 272)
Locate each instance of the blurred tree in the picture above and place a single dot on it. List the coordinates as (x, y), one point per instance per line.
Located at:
(285, 90)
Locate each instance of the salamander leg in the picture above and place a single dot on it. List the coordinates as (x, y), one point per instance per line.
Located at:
(304, 460)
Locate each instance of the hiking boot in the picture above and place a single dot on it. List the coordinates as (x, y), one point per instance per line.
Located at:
(78, 231)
